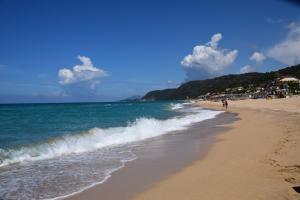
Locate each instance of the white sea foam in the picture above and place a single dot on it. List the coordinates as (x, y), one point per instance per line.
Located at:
(176, 106)
(108, 174)
(179, 106)
(96, 138)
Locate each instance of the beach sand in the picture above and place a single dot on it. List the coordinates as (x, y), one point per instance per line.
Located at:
(159, 158)
(259, 158)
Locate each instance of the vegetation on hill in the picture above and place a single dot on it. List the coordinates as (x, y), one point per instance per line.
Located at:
(196, 88)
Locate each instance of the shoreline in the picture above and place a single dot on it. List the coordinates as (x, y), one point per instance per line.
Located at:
(158, 158)
(257, 159)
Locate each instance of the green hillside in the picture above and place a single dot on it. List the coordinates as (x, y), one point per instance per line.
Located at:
(196, 88)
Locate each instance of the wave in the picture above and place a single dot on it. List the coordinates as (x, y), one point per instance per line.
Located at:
(180, 106)
(96, 138)
(176, 106)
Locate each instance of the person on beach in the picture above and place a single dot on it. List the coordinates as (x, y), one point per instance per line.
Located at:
(226, 104)
(223, 103)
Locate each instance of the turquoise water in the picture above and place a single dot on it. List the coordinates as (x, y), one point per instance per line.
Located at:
(55, 150)
(25, 124)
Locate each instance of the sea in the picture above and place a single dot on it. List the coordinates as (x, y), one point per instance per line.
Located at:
(52, 151)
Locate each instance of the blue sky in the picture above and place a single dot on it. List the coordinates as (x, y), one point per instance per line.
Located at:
(131, 47)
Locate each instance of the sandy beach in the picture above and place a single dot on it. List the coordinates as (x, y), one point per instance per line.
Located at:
(158, 158)
(257, 159)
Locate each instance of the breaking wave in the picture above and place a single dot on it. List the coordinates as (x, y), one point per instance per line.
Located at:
(96, 138)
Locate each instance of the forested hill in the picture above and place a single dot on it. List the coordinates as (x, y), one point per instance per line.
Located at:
(196, 88)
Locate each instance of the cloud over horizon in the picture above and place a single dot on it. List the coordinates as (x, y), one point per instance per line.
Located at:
(208, 60)
(288, 50)
(246, 69)
(257, 57)
(82, 78)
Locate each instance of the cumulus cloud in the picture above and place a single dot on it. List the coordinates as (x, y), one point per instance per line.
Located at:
(209, 59)
(81, 80)
(288, 50)
(246, 69)
(84, 76)
(215, 40)
(258, 57)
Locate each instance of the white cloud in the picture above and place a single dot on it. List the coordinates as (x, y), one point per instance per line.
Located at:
(85, 73)
(246, 69)
(209, 58)
(258, 57)
(215, 40)
(66, 76)
(288, 50)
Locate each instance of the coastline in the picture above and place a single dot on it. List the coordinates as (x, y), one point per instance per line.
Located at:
(257, 159)
(157, 159)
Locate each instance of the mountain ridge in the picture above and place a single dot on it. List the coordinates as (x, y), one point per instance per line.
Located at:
(195, 88)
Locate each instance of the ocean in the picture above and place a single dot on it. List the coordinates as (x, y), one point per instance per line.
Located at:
(50, 151)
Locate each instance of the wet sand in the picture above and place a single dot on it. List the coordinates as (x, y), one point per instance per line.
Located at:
(258, 158)
(158, 158)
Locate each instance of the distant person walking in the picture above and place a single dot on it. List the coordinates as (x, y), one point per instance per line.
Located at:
(226, 104)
